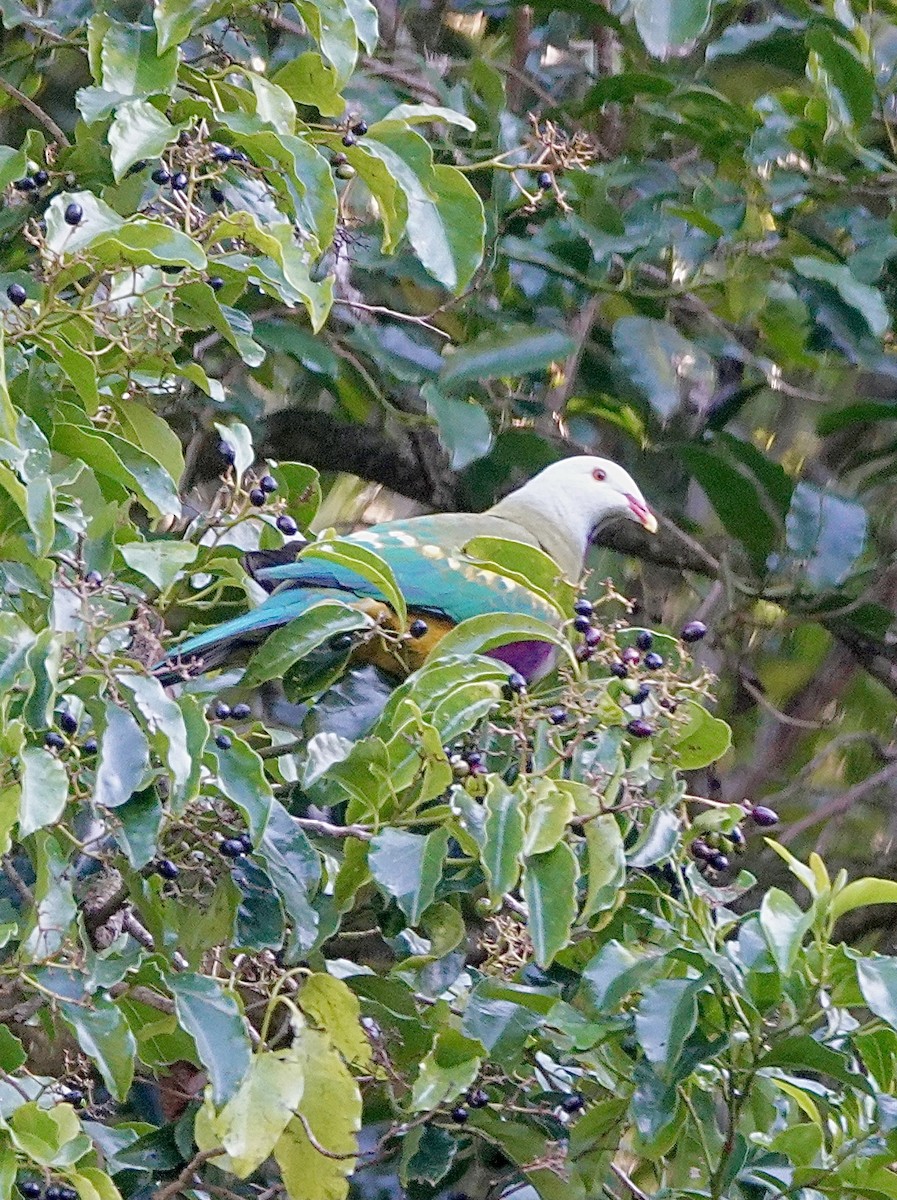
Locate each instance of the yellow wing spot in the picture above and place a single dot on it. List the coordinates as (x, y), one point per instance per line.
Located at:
(431, 551)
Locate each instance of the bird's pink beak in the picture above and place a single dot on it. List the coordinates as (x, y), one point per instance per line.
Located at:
(642, 513)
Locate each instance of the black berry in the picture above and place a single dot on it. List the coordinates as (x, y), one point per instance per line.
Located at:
(231, 848)
(719, 862)
(737, 838)
(573, 1103)
(94, 578)
(67, 1193)
(417, 628)
(240, 712)
(76, 1097)
(215, 282)
(160, 176)
(54, 1191)
(583, 608)
(474, 758)
(360, 128)
(639, 728)
(619, 669)
(179, 182)
(257, 497)
(702, 851)
(516, 683)
(338, 160)
(166, 868)
(593, 636)
(764, 817)
(54, 741)
(16, 294)
(68, 722)
(217, 195)
(246, 843)
(30, 1189)
(544, 180)
(477, 1098)
(349, 139)
(653, 661)
(459, 1114)
(268, 483)
(90, 746)
(557, 715)
(222, 154)
(644, 640)
(73, 214)
(221, 710)
(287, 525)
(642, 694)
(340, 642)
(25, 185)
(223, 742)
(693, 631)
(41, 178)
(581, 624)
(584, 653)
(226, 450)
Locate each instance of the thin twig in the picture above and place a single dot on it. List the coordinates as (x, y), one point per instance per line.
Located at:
(839, 804)
(395, 314)
(36, 111)
(18, 882)
(183, 1180)
(624, 1179)
(781, 717)
(316, 1145)
(338, 831)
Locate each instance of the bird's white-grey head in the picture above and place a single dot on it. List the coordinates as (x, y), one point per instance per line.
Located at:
(564, 505)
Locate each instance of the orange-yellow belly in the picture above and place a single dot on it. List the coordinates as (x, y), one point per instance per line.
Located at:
(403, 658)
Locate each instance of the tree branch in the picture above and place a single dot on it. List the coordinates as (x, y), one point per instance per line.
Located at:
(36, 111)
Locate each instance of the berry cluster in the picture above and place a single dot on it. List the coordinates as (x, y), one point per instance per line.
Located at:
(713, 848)
(353, 130)
(258, 493)
(67, 722)
(32, 1190)
(592, 638)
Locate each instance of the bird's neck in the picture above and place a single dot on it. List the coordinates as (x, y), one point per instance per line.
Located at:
(562, 530)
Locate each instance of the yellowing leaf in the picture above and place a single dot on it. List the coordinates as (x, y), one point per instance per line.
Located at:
(331, 1106)
(334, 1007)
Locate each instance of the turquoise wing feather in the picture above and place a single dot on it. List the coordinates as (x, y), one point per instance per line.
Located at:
(425, 555)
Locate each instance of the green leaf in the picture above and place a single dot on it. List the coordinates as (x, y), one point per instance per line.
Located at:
(877, 978)
(45, 788)
(166, 726)
(138, 131)
(702, 740)
(784, 926)
(449, 1067)
(862, 892)
(826, 533)
(503, 837)
(663, 365)
(331, 1107)
(331, 24)
(175, 20)
(12, 1053)
(549, 889)
(159, 562)
(123, 760)
(548, 812)
(670, 28)
(98, 218)
(862, 297)
(408, 867)
(241, 776)
(307, 79)
(505, 355)
(213, 1019)
(104, 1036)
(13, 164)
(665, 1019)
(302, 635)
(366, 563)
(606, 864)
(295, 869)
(465, 430)
(273, 105)
(133, 63)
(658, 840)
(736, 500)
(851, 84)
(477, 635)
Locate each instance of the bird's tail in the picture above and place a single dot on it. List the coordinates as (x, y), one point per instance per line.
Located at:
(214, 647)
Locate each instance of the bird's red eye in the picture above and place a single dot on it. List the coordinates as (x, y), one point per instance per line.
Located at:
(599, 474)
